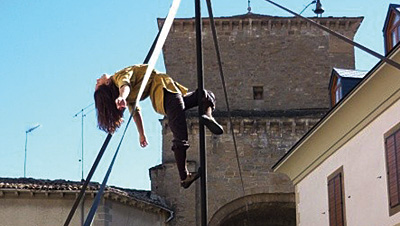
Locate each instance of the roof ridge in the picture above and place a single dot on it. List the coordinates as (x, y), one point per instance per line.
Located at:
(57, 185)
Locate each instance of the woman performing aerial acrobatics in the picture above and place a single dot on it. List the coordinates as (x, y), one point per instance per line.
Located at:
(113, 93)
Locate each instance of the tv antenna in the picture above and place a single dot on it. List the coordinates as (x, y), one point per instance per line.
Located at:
(83, 115)
(26, 144)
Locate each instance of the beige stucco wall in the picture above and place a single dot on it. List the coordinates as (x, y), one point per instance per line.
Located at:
(126, 215)
(39, 210)
(23, 208)
(365, 181)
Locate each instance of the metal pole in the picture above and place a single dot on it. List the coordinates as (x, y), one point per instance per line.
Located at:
(83, 198)
(83, 115)
(83, 210)
(82, 145)
(26, 145)
(203, 165)
(82, 160)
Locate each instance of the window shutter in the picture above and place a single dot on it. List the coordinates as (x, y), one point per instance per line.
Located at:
(339, 200)
(392, 165)
(336, 210)
(332, 207)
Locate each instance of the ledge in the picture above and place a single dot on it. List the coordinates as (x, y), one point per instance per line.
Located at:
(278, 113)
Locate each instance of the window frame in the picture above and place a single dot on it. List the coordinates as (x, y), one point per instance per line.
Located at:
(338, 172)
(392, 132)
(336, 90)
(393, 29)
(258, 92)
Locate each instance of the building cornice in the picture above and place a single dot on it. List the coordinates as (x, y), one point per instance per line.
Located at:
(371, 97)
(315, 112)
(264, 22)
(36, 188)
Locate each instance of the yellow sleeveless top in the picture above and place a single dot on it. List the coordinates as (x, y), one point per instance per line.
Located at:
(133, 76)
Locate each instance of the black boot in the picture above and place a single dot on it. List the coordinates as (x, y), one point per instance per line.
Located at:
(210, 122)
(191, 177)
(207, 118)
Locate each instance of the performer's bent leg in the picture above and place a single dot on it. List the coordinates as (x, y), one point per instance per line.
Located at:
(180, 158)
(174, 107)
(208, 104)
(191, 100)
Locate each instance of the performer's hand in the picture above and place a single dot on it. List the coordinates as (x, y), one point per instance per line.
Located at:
(143, 141)
(120, 103)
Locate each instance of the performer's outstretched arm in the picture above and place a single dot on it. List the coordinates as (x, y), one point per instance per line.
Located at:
(137, 116)
(123, 94)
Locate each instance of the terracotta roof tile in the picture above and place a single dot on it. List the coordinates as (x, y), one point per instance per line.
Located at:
(65, 185)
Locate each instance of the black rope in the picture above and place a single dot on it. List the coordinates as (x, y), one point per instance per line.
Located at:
(221, 72)
(154, 50)
(103, 148)
(342, 37)
(216, 45)
(99, 194)
(88, 178)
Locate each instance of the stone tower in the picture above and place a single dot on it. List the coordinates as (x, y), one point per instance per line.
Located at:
(277, 73)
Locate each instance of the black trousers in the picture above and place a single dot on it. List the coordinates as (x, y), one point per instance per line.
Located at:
(175, 106)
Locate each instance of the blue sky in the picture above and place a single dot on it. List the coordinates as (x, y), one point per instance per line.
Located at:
(51, 53)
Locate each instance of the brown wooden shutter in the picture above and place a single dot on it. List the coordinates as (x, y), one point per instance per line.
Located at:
(392, 153)
(336, 210)
(332, 206)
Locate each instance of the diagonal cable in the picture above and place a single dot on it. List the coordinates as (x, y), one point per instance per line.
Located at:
(157, 50)
(153, 59)
(99, 194)
(342, 37)
(214, 33)
(109, 136)
(88, 178)
(99, 156)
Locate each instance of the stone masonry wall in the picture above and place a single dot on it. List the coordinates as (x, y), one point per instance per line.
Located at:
(260, 142)
(291, 59)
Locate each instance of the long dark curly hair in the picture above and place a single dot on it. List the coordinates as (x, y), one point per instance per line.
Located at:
(109, 118)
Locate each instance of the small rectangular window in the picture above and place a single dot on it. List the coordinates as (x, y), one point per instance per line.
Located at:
(339, 94)
(398, 35)
(336, 199)
(258, 92)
